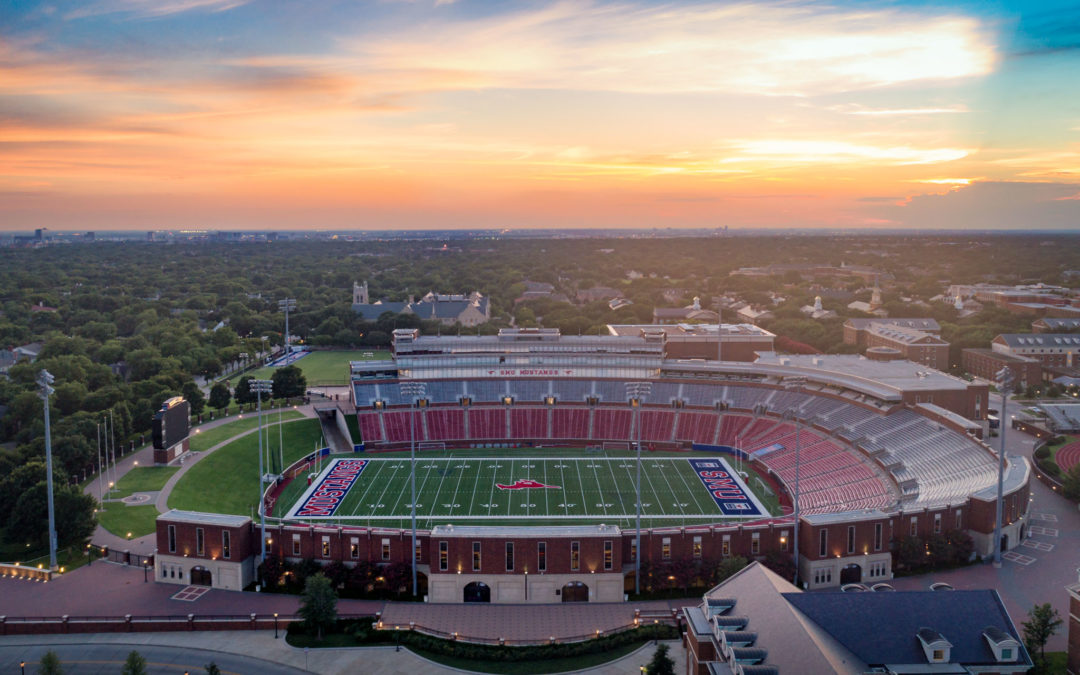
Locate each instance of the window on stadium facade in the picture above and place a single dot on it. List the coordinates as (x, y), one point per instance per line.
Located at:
(444, 556)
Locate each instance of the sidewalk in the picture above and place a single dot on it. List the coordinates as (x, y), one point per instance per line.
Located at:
(262, 645)
(147, 545)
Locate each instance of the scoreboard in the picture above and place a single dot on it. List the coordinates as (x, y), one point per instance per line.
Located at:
(172, 423)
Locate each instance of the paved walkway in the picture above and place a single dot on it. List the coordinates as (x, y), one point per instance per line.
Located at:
(147, 545)
(249, 652)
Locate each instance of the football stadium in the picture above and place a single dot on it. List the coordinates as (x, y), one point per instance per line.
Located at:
(526, 471)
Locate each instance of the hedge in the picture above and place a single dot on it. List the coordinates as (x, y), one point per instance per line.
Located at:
(363, 634)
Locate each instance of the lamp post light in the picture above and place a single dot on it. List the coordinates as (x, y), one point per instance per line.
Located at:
(261, 387)
(45, 380)
(1005, 383)
(414, 390)
(637, 392)
(275, 626)
(285, 305)
(793, 383)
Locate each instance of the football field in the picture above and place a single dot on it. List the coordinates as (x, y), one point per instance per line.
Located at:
(516, 490)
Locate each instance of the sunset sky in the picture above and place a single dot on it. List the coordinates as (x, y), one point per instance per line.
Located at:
(229, 114)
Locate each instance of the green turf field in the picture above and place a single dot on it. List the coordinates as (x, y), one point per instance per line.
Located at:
(227, 480)
(589, 488)
(322, 368)
(143, 479)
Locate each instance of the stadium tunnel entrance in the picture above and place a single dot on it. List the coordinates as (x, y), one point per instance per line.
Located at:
(851, 574)
(477, 591)
(200, 576)
(575, 591)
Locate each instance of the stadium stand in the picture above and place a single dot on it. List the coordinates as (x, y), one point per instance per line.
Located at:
(570, 423)
(445, 424)
(528, 423)
(487, 422)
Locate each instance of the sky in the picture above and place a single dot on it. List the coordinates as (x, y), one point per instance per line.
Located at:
(436, 114)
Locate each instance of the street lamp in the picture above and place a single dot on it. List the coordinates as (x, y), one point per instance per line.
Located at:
(275, 625)
(1005, 383)
(261, 387)
(794, 383)
(637, 392)
(416, 391)
(45, 380)
(285, 305)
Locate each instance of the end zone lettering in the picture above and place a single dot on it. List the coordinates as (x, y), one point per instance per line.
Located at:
(726, 489)
(329, 492)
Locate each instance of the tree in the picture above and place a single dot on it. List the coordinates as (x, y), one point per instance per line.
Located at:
(242, 393)
(135, 664)
(318, 604)
(1043, 621)
(50, 664)
(212, 669)
(661, 663)
(194, 396)
(220, 395)
(289, 382)
(1072, 483)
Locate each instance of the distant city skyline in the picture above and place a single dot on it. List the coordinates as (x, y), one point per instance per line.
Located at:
(436, 114)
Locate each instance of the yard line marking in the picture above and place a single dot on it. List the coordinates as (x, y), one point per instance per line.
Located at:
(476, 488)
(457, 486)
(615, 484)
(691, 492)
(371, 482)
(671, 490)
(562, 473)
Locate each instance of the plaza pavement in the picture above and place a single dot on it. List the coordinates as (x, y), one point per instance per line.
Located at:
(249, 652)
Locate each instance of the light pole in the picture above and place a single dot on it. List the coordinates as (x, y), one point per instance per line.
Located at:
(795, 383)
(285, 305)
(638, 391)
(416, 391)
(261, 387)
(45, 380)
(1005, 383)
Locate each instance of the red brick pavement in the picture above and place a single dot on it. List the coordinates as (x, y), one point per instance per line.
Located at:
(108, 589)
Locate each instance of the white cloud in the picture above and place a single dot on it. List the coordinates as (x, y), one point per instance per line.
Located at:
(833, 152)
(772, 49)
(153, 8)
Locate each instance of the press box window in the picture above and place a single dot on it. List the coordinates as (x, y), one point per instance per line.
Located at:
(385, 549)
(444, 556)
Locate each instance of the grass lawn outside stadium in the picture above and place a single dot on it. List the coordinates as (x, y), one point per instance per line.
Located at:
(322, 367)
(461, 487)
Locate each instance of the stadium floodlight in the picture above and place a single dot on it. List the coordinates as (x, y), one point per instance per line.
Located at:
(285, 305)
(1004, 379)
(792, 383)
(637, 392)
(45, 380)
(416, 391)
(261, 387)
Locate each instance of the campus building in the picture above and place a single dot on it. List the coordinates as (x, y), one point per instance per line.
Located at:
(467, 310)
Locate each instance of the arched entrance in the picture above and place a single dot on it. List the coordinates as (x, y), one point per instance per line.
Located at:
(200, 576)
(1004, 542)
(851, 574)
(575, 591)
(477, 591)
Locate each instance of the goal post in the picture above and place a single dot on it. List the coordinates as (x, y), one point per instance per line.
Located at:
(615, 445)
(431, 445)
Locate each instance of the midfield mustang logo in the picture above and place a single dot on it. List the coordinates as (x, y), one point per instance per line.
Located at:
(525, 484)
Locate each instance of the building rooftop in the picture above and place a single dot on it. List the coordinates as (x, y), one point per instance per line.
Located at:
(930, 325)
(1049, 340)
(863, 373)
(224, 520)
(688, 329)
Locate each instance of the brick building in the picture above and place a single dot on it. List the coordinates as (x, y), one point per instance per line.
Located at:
(986, 363)
(1052, 350)
(916, 340)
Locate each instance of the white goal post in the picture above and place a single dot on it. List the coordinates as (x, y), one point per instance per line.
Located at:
(431, 445)
(616, 445)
